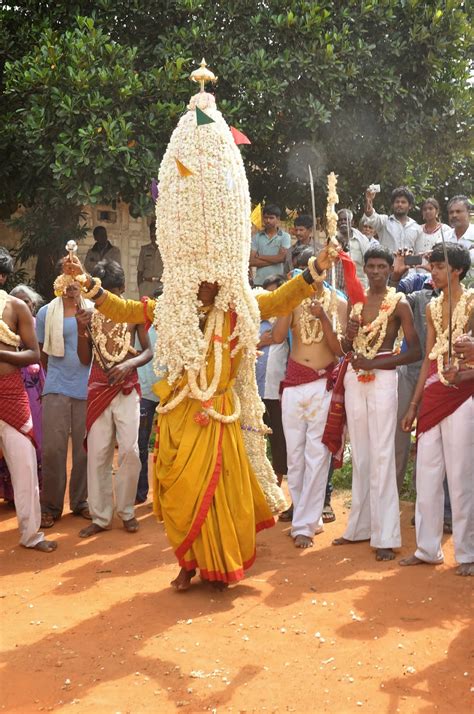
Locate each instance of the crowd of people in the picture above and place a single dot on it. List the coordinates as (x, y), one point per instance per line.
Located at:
(79, 371)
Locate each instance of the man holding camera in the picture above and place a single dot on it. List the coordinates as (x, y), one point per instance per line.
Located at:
(398, 231)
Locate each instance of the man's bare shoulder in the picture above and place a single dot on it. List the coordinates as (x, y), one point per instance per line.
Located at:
(14, 306)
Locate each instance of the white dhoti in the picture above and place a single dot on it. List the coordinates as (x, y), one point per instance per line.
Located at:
(119, 421)
(304, 413)
(371, 409)
(447, 448)
(20, 455)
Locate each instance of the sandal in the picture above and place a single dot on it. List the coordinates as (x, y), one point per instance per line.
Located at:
(286, 516)
(47, 520)
(131, 526)
(84, 513)
(328, 514)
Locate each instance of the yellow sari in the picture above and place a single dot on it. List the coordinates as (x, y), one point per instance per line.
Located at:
(205, 490)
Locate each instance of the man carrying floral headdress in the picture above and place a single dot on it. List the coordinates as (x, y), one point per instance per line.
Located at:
(213, 486)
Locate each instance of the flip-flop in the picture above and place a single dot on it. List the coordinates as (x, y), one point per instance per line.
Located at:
(47, 520)
(84, 513)
(328, 514)
(131, 526)
(286, 516)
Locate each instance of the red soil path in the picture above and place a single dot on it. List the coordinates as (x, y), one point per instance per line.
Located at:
(95, 627)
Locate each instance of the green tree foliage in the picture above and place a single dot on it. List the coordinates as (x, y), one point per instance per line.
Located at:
(376, 91)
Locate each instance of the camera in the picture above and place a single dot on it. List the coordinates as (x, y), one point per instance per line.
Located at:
(374, 188)
(413, 259)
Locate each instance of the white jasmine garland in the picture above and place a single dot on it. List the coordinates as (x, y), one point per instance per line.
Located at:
(370, 337)
(459, 321)
(310, 328)
(204, 235)
(7, 336)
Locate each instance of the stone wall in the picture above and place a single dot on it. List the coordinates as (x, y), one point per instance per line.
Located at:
(123, 231)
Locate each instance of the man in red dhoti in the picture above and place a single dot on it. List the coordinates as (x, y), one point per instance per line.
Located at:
(113, 408)
(306, 396)
(19, 348)
(445, 421)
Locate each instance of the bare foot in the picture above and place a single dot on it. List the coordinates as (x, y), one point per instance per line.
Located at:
(183, 581)
(345, 541)
(412, 560)
(91, 530)
(465, 569)
(384, 554)
(46, 546)
(302, 541)
(219, 585)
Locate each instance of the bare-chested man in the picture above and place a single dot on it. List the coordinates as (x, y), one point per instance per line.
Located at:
(305, 404)
(445, 417)
(113, 408)
(19, 348)
(371, 405)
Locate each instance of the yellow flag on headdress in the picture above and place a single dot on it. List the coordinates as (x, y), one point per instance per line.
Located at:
(256, 216)
(183, 170)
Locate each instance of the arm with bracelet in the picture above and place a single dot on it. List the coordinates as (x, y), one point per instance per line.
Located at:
(272, 304)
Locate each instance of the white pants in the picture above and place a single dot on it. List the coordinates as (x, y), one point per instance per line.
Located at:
(447, 448)
(371, 409)
(304, 413)
(120, 420)
(20, 455)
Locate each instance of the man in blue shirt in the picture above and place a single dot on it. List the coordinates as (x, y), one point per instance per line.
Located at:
(64, 408)
(148, 403)
(269, 246)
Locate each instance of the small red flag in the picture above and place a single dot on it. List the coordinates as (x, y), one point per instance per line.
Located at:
(239, 138)
(354, 288)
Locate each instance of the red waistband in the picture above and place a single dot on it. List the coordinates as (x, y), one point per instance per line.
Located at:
(439, 400)
(297, 374)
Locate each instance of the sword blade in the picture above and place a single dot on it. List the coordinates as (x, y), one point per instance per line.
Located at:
(313, 205)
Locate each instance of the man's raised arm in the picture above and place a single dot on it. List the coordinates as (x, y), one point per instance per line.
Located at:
(112, 306)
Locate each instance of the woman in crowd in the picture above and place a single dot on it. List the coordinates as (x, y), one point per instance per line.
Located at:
(432, 230)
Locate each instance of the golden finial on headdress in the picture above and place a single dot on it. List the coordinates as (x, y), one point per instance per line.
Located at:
(203, 75)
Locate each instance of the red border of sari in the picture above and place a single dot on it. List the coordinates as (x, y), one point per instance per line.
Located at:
(193, 532)
(235, 575)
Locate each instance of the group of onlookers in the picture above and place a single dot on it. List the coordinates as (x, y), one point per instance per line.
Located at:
(407, 245)
(58, 386)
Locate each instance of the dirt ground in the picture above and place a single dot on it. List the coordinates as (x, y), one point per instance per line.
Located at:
(95, 627)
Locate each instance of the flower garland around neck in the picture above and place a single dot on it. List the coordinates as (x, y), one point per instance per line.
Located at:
(460, 318)
(370, 337)
(197, 387)
(7, 336)
(310, 327)
(119, 335)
